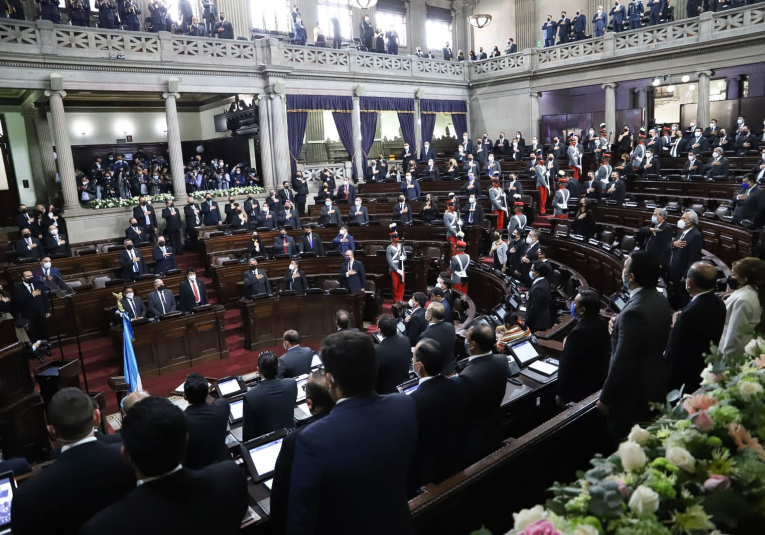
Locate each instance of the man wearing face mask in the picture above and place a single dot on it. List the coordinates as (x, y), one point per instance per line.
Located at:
(592, 187)
(311, 243)
(427, 153)
(617, 190)
(564, 25)
(549, 31)
(353, 274)
(395, 257)
(28, 246)
(268, 218)
(346, 191)
(164, 257)
(699, 143)
(255, 280)
(618, 16)
(161, 300)
(416, 322)
(358, 213)
(402, 212)
(658, 242)
(539, 296)
(289, 216)
(600, 21)
(745, 141)
(717, 166)
(136, 232)
(192, 213)
(46, 272)
(210, 212)
(458, 266)
(131, 261)
(750, 203)
(693, 167)
(172, 219)
(516, 249)
(133, 305)
(406, 156)
(295, 279)
(284, 244)
(192, 292)
(685, 250)
(330, 214)
(466, 144)
(580, 24)
(531, 256)
(758, 171)
(31, 304)
(344, 242)
(55, 243)
(223, 28)
(473, 212)
(501, 145)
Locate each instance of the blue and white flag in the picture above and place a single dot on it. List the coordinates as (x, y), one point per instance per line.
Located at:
(132, 377)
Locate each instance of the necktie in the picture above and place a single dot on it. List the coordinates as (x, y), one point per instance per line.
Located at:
(470, 219)
(350, 265)
(310, 241)
(57, 239)
(47, 273)
(130, 302)
(284, 241)
(135, 266)
(346, 192)
(196, 291)
(30, 288)
(162, 301)
(29, 241)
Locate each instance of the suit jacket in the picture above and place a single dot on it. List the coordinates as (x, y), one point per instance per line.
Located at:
(133, 234)
(269, 407)
(584, 360)
(333, 218)
(163, 264)
(410, 193)
(155, 304)
(717, 172)
(700, 323)
(403, 217)
(580, 22)
(655, 168)
(286, 195)
(314, 245)
(620, 191)
(295, 362)
(428, 154)
(53, 272)
(172, 221)
(351, 196)
(141, 217)
(343, 247)
(354, 283)
(270, 222)
(477, 214)
(375, 173)
(483, 383)
(138, 310)
(210, 213)
(361, 219)
(659, 245)
(447, 52)
(538, 311)
(24, 251)
(280, 242)
(752, 208)
(356, 459)
(681, 259)
(253, 285)
(429, 174)
(444, 334)
(596, 186)
(52, 247)
(207, 425)
(190, 215)
(127, 263)
(299, 284)
(186, 295)
(416, 326)
(211, 500)
(394, 355)
(637, 372)
(93, 469)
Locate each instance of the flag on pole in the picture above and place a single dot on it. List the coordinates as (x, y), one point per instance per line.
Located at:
(132, 377)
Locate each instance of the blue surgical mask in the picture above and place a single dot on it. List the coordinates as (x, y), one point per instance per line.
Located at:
(573, 309)
(654, 219)
(531, 275)
(745, 185)
(624, 280)
(466, 347)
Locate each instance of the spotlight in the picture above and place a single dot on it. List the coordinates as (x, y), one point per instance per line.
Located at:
(656, 81)
(685, 78)
(671, 88)
(721, 83)
(691, 87)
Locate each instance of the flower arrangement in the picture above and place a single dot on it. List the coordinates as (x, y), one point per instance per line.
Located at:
(200, 194)
(699, 469)
(97, 204)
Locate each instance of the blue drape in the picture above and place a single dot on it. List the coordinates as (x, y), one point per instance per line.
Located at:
(457, 108)
(344, 124)
(368, 129)
(428, 125)
(296, 124)
(406, 120)
(404, 107)
(460, 124)
(318, 102)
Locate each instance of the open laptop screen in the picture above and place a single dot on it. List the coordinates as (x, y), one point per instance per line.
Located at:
(237, 410)
(264, 457)
(525, 352)
(7, 487)
(229, 387)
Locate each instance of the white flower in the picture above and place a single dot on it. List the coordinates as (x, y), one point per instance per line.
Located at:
(632, 456)
(749, 389)
(639, 435)
(528, 516)
(751, 347)
(585, 529)
(644, 500)
(682, 458)
(707, 376)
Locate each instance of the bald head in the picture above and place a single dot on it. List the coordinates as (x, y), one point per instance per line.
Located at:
(133, 398)
(701, 277)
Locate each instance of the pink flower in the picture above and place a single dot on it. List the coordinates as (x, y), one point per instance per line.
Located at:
(717, 482)
(703, 422)
(623, 490)
(541, 527)
(698, 403)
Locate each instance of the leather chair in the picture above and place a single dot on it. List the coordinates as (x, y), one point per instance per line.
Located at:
(100, 282)
(607, 236)
(330, 284)
(82, 251)
(222, 260)
(628, 243)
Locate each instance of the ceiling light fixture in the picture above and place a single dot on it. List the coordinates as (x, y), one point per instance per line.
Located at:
(685, 78)
(363, 4)
(656, 81)
(479, 21)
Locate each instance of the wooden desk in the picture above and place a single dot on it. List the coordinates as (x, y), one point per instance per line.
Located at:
(385, 208)
(601, 269)
(706, 189)
(176, 343)
(313, 316)
(226, 279)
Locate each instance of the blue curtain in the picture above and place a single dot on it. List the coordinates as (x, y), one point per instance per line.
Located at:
(406, 120)
(344, 124)
(457, 108)
(404, 107)
(368, 129)
(296, 123)
(428, 125)
(318, 102)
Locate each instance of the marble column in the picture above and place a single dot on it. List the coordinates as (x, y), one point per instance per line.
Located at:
(526, 30)
(534, 118)
(418, 141)
(358, 159)
(63, 148)
(266, 158)
(48, 161)
(702, 113)
(415, 26)
(610, 88)
(238, 14)
(174, 145)
(253, 153)
(35, 159)
(733, 87)
(280, 143)
(642, 102)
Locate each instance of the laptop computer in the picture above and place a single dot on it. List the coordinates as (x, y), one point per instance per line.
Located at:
(525, 353)
(259, 455)
(301, 380)
(236, 411)
(7, 488)
(230, 386)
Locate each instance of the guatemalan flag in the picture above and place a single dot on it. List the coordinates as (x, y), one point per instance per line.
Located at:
(132, 377)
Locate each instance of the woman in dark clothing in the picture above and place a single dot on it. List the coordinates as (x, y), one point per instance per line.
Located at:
(429, 210)
(584, 222)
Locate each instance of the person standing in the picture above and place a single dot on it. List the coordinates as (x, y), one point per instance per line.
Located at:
(549, 29)
(657, 10)
(580, 24)
(367, 33)
(458, 268)
(209, 15)
(618, 15)
(173, 226)
(396, 256)
(539, 297)
(164, 257)
(658, 242)
(223, 28)
(337, 37)
(32, 304)
(635, 12)
(392, 40)
(161, 300)
(685, 250)
(744, 305)
(498, 202)
(193, 217)
(352, 274)
(452, 222)
(269, 406)
(192, 292)
(542, 184)
(295, 279)
(394, 355)
(297, 360)
(207, 424)
(131, 261)
(600, 21)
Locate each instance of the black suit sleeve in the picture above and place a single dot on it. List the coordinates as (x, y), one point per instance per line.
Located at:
(626, 356)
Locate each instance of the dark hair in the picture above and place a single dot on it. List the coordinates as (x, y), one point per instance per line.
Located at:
(191, 270)
(437, 291)
(645, 268)
(420, 298)
(70, 412)
(292, 337)
(350, 358)
(268, 364)
(343, 319)
(429, 353)
(195, 388)
(542, 268)
(545, 250)
(387, 325)
(154, 435)
(590, 300)
(483, 336)
(754, 271)
(317, 391)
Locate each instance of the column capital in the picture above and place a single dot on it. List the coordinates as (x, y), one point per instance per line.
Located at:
(732, 78)
(611, 85)
(171, 95)
(641, 90)
(49, 93)
(705, 73)
(535, 94)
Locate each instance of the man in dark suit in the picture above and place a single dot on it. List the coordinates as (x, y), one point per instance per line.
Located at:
(447, 52)
(223, 28)
(255, 280)
(658, 243)
(357, 457)
(289, 216)
(131, 260)
(637, 373)
(133, 305)
(86, 467)
(295, 279)
(269, 406)
(483, 383)
(472, 212)
(144, 214)
(427, 153)
(164, 257)
(330, 214)
(301, 192)
(311, 243)
(207, 424)
(169, 498)
(717, 166)
(538, 308)
(592, 188)
(410, 187)
(651, 165)
(192, 292)
(32, 304)
(346, 191)
(55, 243)
(501, 144)
(564, 25)
(685, 250)
(358, 213)
(319, 402)
(297, 360)
(373, 174)
(749, 204)
(402, 212)
(406, 156)
(192, 212)
(285, 194)
(28, 246)
(440, 420)
(352, 274)
(745, 141)
(46, 272)
(268, 218)
(136, 232)
(343, 321)
(584, 360)
(172, 219)
(511, 47)
(394, 355)
(698, 325)
(284, 244)
(161, 300)
(251, 206)
(210, 211)
(617, 189)
(416, 322)
(442, 332)
(580, 23)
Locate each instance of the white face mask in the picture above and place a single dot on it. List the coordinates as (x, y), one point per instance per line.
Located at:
(411, 303)
(342, 232)
(406, 147)
(54, 232)
(681, 224)
(129, 295)
(517, 136)
(698, 134)
(46, 265)
(693, 124)
(690, 158)
(712, 125)
(328, 203)
(528, 240)
(358, 204)
(427, 147)
(192, 277)
(293, 267)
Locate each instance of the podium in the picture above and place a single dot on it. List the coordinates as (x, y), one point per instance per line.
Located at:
(55, 375)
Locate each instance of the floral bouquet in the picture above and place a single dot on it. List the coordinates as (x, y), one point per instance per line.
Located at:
(698, 469)
(119, 202)
(200, 194)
